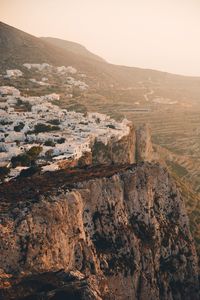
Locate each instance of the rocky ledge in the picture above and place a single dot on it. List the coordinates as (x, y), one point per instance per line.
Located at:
(123, 227)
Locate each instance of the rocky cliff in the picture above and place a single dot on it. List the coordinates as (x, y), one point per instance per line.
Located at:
(120, 151)
(136, 146)
(124, 228)
(144, 147)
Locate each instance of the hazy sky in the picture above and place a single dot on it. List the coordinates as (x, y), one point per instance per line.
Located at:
(157, 34)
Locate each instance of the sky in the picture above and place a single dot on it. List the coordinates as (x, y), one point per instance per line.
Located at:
(156, 34)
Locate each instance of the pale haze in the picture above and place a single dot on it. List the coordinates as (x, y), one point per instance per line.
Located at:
(156, 34)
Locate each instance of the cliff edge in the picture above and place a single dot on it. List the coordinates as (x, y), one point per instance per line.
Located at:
(127, 231)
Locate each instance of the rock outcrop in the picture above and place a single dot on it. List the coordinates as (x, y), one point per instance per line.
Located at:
(120, 151)
(144, 147)
(128, 231)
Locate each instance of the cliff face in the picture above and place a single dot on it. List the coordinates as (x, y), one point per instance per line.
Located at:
(121, 151)
(128, 231)
(144, 148)
(136, 146)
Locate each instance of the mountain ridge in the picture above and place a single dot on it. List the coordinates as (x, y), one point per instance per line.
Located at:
(28, 48)
(72, 46)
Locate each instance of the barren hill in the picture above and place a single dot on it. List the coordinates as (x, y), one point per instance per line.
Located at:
(18, 47)
(73, 47)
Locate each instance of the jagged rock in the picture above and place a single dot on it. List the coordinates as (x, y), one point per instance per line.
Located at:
(129, 230)
(144, 148)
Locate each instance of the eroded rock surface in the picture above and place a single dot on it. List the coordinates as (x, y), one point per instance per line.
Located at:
(144, 148)
(129, 231)
(121, 151)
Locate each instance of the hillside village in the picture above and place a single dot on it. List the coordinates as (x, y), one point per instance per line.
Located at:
(34, 131)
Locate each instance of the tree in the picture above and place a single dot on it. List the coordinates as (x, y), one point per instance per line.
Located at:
(40, 127)
(61, 140)
(28, 158)
(21, 160)
(34, 152)
(19, 127)
(49, 143)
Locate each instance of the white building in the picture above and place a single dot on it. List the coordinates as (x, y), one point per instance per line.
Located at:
(13, 73)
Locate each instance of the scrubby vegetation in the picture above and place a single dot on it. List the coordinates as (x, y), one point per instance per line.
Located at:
(49, 143)
(21, 160)
(61, 140)
(40, 127)
(28, 158)
(19, 127)
(24, 105)
(54, 122)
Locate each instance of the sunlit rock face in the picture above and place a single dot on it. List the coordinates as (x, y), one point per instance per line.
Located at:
(129, 231)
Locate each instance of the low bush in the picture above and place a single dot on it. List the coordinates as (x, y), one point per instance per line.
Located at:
(49, 143)
(34, 151)
(28, 158)
(54, 122)
(21, 160)
(40, 127)
(61, 141)
(19, 127)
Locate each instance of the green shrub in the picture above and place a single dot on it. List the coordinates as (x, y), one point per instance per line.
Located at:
(34, 151)
(54, 122)
(24, 104)
(49, 153)
(49, 143)
(40, 127)
(19, 127)
(26, 159)
(21, 160)
(19, 102)
(61, 140)
(3, 122)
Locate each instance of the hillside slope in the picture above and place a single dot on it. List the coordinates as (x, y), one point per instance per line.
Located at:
(18, 47)
(73, 47)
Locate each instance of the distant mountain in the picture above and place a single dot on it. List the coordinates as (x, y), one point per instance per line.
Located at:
(73, 47)
(18, 47)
